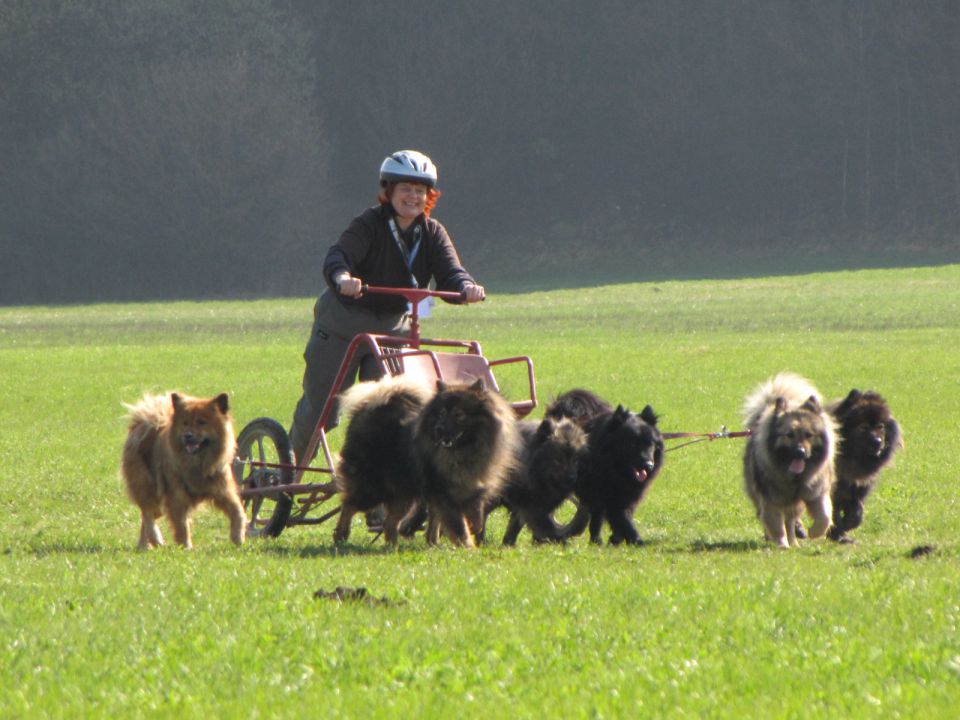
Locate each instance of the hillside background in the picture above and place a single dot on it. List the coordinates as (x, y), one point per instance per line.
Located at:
(156, 149)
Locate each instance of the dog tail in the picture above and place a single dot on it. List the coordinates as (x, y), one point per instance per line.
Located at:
(789, 387)
(578, 523)
(365, 395)
(579, 405)
(153, 411)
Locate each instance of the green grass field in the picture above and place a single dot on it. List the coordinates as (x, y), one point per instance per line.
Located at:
(705, 620)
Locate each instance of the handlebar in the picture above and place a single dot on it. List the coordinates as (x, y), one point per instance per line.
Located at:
(414, 295)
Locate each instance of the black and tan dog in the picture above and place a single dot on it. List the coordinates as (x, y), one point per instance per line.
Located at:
(869, 437)
(467, 445)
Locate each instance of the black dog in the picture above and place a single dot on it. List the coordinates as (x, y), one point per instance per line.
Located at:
(624, 455)
(377, 463)
(869, 437)
(544, 479)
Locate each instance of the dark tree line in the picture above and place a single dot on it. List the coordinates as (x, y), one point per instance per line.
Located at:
(167, 148)
(155, 149)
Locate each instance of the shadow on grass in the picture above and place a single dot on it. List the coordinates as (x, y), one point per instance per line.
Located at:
(67, 548)
(374, 546)
(366, 547)
(731, 546)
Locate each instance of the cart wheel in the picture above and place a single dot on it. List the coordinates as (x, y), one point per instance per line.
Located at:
(264, 440)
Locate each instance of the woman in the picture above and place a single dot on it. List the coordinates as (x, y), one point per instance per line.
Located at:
(394, 244)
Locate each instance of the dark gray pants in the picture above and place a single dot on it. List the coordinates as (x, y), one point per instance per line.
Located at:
(334, 327)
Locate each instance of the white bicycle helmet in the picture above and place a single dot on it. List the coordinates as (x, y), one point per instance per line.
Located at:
(408, 166)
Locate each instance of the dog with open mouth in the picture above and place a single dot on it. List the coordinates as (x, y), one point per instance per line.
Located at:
(788, 462)
(467, 445)
(623, 456)
(177, 455)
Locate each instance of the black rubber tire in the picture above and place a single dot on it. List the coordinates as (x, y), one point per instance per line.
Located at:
(264, 440)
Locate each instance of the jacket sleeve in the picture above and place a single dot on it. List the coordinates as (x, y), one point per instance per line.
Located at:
(445, 264)
(350, 250)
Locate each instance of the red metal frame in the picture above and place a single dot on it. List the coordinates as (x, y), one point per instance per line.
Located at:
(388, 351)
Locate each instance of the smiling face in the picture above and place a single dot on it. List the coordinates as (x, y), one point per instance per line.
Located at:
(409, 201)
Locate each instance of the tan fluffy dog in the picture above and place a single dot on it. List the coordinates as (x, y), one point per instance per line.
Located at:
(177, 455)
(789, 459)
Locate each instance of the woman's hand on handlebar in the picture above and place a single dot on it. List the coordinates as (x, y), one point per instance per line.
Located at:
(350, 286)
(473, 293)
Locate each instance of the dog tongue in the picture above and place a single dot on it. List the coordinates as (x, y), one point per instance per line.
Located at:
(797, 466)
(640, 475)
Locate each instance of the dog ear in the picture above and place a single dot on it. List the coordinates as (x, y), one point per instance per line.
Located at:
(176, 400)
(779, 405)
(222, 402)
(477, 385)
(871, 396)
(545, 428)
(894, 438)
(621, 413)
(648, 416)
(848, 402)
(441, 386)
(812, 404)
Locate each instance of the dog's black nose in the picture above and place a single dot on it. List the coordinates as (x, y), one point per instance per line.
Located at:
(800, 453)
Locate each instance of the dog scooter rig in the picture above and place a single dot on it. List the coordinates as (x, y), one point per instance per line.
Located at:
(272, 485)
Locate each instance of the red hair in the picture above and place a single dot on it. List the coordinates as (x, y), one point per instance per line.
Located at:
(431, 202)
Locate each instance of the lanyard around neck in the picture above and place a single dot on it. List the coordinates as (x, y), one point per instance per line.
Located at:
(408, 255)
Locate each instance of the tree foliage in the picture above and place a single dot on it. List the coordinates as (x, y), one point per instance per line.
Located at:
(164, 149)
(157, 149)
